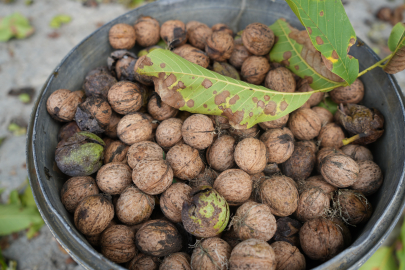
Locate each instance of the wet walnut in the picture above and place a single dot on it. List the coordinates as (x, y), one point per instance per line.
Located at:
(62, 104)
(220, 155)
(198, 131)
(281, 80)
(304, 124)
(144, 151)
(197, 34)
(160, 110)
(134, 128)
(185, 161)
(250, 155)
(171, 201)
(254, 69)
(125, 97)
(315, 98)
(116, 152)
(117, 244)
(98, 81)
(143, 262)
(313, 203)
(173, 33)
(279, 144)
(179, 260)
(370, 178)
(357, 152)
(253, 254)
(75, 189)
(258, 38)
(168, 132)
(288, 257)
(67, 131)
(331, 135)
(193, 55)
(93, 115)
(234, 185)
(352, 206)
(219, 46)
(353, 93)
(279, 123)
(113, 178)
(239, 55)
(147, 31)
(324, 115)
(122, 36)
(301, 163)
(211, 253)
(152, 176)
(339, 170)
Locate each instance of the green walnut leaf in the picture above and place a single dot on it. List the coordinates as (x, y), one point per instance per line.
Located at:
(14, 218)
(15, 25)
(396, 43)
(58, 20)
(328, 104)
(294, 50)
(331, 33)
(190, 87)
(382, 259)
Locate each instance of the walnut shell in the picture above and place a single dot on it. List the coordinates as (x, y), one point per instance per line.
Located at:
(287, 231)
(122, 36)
(160, 110)
(241, 134)
(279, 123)
(133, 206)
(205, 178)
(143, 79)
(326, 151)
(318, 182)
(93, 115)
(357, 152)
(304, 124)
(281, 80)
(62, 104)
(353, 93)
(220, 155)
(67, 131)
(117, 244)
(331, 135)
(253, 254)
(116, 152)
(353, 206)
(250, 155)
(254, 220)
(171, 201)
(98, 81)
(152, 176)
(211, 253)
(239, 55)
(147, 31)
(185, 161)
(258, 38)
(220, 122)
(76, 189)
(179, 260)
(168, 132)
(339, 170)
(347, 236)
(143, 262)
(288, 257)
(134, 128)
(219, 46)
(279, 144)
(313, 203)
(280, 193)
(144, 151)
(95, 239)
(222, 27)
(114, 177)
(173, 33)
(193, 55)
(198, 131)
(93, 214)
(125, 97)
(324, 115)
(234, 185)
(111, 129)
(158, 238)
(271, 168)
(301, 163)
(254, 69)
(197, 34)
(315, 98)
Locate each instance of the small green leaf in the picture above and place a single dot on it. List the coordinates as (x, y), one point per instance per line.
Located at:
(14, 218)
(27, 198)
(328, 104)
(24, 98)
(382, 259)
(2, 139)
(397, 34)
(331, 33)
(3, 264)
(34, 228)
(396, 43)
(14, 198)
(16, 129)
(15, 25)
(58, 20)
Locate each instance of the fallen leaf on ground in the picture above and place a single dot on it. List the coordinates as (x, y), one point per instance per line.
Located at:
(15, 25)
(58, 20)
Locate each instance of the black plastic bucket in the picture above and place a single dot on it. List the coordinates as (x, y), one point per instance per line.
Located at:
(382, 92)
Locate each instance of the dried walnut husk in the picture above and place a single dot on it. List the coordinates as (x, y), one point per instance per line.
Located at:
(116, 152)
(121, 63)
(98, 81)
(93, 115)
(287, 231)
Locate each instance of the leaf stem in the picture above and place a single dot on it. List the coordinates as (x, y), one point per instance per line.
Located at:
(351, 139)
(378, 64)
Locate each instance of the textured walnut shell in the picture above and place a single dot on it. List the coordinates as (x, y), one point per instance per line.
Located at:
(76, 189)
(258, 38)
(353, 93)
(179, 260)
(118, 244)
(143, 262)
(143, 79)
(253, 254)
(288, 257)
(301, 163)
(67, 131)
(254, 69)
(152, 176)
(347, 236)
(326, 151)
(171, 201)
(315, 98)
(185, 161)
(357, 152)
(116, 152)
(313, 203)
(222, 27)
(321, 239)
(339, 170)
(241, 134)
(93, 214)
(279, 144)
(304, 124)
(143, 151)
(254, 220)
(279, 123)
(111, 129)
(250, 155)
(220, 122)
(205, 178)
(234, 185)
(168, 132)
(331, 135)
(173, 33)
(211, 253)
(93, 115)
(147, 31)
(62, 104)
(197, 34)
(114, 177)
(134, 128)
(353, 206)
(219, 46)
(239, 55)
(95, 239)
(198, 131)
(287, 231)
(193, 54)
(160, 110)
(317, 181)
(323, 114)
(98, 81)
(271, 168)
(281, 80)
(220, 155)
(158, 238)
(280, 193)
(122, 36)
(125, 97)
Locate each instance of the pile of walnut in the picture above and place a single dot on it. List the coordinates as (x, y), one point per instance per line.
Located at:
(163, 184)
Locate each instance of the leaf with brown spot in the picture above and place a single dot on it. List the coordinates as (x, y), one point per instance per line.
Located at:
(396, 43)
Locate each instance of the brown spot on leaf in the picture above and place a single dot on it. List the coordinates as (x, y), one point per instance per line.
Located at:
(190, 103)
(250, 114)
(169, 80)
(234, 118)
(215, 92)
(266, 98)
(169, 96)
(321, 13)
(144, 61)
(319, 40)
(287, 55)
(297, 67)
(255, 99)
(352, 41)
(205, 105)
(270, 108)
(327, 62)
(162, 65)
(283, 105)
(233, 100)
(221, 97)
(260, 104)
(309, 30)
(308, 79)
(335, 55)
(206, 83)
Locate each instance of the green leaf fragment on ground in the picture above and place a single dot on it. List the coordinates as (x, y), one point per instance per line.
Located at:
(27, 198)
(58, 20)
(14, 218)
(14, 198)
(24, 98)
(15, 25)
(17, 130)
